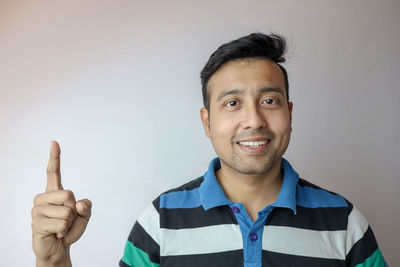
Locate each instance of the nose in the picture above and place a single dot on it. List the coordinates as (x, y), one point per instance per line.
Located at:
(253, 118)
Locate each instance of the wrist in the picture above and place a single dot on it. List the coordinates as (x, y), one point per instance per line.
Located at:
(65, 261)
(58, 264)
(61, 263)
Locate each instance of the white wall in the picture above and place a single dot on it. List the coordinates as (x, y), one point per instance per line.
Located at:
(117, 84)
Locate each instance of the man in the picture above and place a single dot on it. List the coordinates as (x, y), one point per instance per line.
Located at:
(250, 208)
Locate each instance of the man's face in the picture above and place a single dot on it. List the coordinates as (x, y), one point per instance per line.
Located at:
(249, 121)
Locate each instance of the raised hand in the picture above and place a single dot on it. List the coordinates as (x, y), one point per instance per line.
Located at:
(58, 220)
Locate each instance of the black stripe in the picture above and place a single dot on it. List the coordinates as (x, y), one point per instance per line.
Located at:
(156, 204)
(196, 217)
(222, 259)
(303, 182)
(363, 248)
(123, 264)
(188, 186)
(319, 219)
(142, 240)
(284, 260)
(350, 207)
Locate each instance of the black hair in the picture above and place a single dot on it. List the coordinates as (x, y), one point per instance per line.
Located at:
(255, 45)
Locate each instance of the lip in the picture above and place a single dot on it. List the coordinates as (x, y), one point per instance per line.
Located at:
(255, 150)
(255, 139)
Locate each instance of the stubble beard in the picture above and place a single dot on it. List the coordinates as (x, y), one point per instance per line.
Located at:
(258, 165)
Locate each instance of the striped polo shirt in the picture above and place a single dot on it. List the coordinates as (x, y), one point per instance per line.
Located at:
(196, 225)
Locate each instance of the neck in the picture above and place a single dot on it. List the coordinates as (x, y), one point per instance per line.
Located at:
(255, 191)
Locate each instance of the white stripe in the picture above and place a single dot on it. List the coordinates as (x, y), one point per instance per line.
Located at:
(303, 242)
(356, 228)
(150, 221)
(209, 239)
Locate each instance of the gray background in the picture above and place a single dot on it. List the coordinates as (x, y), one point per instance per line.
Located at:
(117, 84)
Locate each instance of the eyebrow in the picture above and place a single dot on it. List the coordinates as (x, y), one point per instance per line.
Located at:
(230, 92)
(241, 92)
(271, 89)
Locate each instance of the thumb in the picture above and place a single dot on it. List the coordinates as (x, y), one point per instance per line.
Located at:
(78, 226)
(84, 208)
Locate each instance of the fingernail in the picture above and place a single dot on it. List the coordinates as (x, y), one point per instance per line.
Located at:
(83, 205)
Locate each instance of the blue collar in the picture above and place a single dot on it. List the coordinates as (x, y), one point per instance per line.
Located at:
(212, 195)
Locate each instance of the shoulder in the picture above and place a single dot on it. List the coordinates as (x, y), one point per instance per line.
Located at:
(193, 184)
(335, 217)
(181, 196)
(311, 196)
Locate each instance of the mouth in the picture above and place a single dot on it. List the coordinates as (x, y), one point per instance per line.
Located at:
(254, 146)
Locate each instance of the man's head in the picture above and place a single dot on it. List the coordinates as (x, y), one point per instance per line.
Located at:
(250, 125)
(255, 45)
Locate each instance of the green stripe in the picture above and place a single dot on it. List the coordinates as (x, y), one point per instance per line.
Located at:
(375, 260)
(136, 257)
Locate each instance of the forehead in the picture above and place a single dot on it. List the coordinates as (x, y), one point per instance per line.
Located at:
(248, 75)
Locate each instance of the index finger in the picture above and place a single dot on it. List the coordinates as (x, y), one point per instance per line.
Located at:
(53, 169)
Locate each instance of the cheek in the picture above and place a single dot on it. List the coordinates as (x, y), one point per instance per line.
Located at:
(221, 128)
(281, 125)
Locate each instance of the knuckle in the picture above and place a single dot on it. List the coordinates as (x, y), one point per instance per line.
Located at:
(68, 194)
(37, 198)
(52, 170)
(68, 213)
(35, 224)
(63, 225)
(35, 212)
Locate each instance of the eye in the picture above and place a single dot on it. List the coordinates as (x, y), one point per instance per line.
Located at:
(271, 101)
(232, 103)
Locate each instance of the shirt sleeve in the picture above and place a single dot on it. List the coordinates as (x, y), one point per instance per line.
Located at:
(142, 248)
(361, 246)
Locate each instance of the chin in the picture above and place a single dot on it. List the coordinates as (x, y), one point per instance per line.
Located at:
(255, 169)
(253, 166)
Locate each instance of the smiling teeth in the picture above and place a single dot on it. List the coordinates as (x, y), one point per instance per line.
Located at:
(254, 144)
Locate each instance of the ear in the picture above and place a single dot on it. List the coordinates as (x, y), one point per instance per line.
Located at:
(290, 105)
(205, 119)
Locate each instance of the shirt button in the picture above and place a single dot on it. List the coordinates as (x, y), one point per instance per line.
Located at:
(253, 237)
(235, 209)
